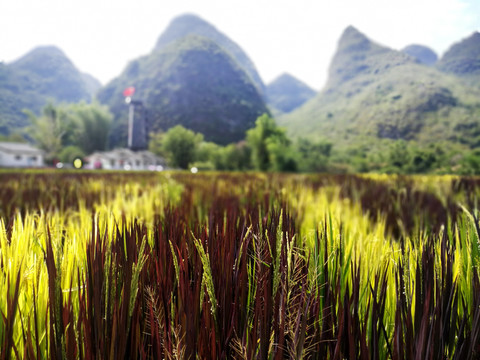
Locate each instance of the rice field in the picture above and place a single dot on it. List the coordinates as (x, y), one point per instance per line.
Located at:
(105, 265)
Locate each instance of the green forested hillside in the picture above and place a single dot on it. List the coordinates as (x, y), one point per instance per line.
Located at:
(92, 85)
(192, 82)
(15, 95)
(43, 74)
(51, 73)
(463, 60)
(376, 93)
(193, 25)
(287, 93)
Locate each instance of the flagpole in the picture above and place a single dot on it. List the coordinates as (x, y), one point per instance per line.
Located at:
(128, 93)
(131, 112)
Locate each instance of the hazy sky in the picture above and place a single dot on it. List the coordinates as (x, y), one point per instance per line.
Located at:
(299, 37)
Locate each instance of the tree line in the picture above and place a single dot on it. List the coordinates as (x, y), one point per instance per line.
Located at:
(66, 132)
(265, 148)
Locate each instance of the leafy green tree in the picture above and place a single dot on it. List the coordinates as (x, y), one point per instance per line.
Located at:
(422, 161)
(237, 156)
(208, 156)
(49, 130)
(83, 126)
(313, 156)
(470, 164)
(155, 143)
(69, 153)
(411, 158)
(90, 125)
(181, 145)
(208, 152)
(398, 158)
(232, 157)
(269, 145)
(281, 154)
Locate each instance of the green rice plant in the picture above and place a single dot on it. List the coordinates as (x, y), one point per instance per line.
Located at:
(207, 280)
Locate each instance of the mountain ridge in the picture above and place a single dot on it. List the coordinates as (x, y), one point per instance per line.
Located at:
(463, 59)
(57, 75)
(354, 50)
(286, 93)
(43, 74)
(192, 24)
(422, 53)
(193, 82)
(374, 92)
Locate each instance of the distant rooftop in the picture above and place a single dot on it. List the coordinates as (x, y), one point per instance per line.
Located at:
(127, 155)
(19, 148)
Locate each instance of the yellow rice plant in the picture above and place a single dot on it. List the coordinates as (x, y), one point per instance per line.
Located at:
(351, 234)
(23, 245)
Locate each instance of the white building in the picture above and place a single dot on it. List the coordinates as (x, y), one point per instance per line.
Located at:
(20, 155)
(124, 159)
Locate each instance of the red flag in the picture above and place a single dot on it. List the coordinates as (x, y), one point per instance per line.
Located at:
(129, 91)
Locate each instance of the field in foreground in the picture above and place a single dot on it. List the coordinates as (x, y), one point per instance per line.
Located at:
(247, 266)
